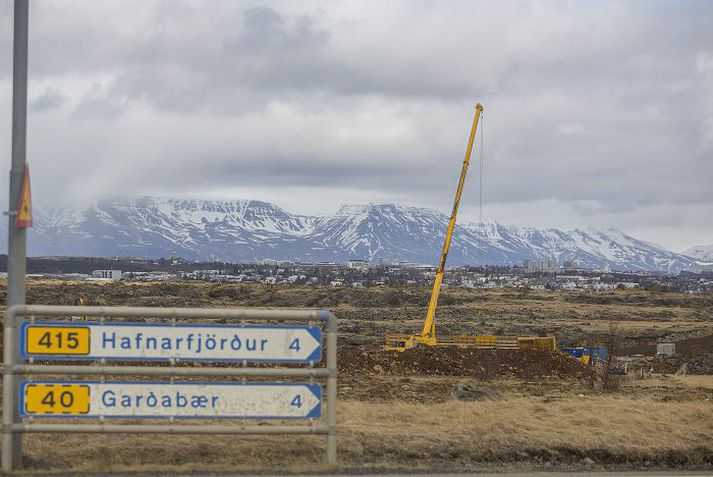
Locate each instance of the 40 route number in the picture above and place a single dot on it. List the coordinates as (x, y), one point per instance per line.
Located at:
(70, 399)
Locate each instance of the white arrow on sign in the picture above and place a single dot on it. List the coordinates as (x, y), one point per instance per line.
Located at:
(178, 400)
(150, 342)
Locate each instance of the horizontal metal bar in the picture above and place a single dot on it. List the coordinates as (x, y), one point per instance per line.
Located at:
(170, 371)
(167, 429)
(178, 313)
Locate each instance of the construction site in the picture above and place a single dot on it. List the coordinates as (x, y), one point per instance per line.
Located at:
(513, 379)
(451, 407)
(210, 371)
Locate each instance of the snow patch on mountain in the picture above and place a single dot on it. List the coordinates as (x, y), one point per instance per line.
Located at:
(702, 253)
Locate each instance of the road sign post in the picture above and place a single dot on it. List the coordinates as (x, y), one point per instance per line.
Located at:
(17, 238)
(140, 341)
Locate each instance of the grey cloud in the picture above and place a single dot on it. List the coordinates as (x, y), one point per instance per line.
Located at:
(267, 31)
(99, 103)
(49, 99)
(270, 55)
(605, 108)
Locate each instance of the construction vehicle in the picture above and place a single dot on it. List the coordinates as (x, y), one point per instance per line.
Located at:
(402, 342)
(428, 334)
(587, 355)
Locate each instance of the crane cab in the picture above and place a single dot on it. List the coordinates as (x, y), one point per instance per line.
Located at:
(400, 342)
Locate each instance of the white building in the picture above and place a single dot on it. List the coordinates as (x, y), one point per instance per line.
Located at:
(359, 264)
(666, 349)
(548, 265)
(107, 274)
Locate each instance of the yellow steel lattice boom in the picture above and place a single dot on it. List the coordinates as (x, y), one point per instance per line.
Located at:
(428, 334)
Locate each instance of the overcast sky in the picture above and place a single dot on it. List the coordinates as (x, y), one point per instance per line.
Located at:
(596, 113)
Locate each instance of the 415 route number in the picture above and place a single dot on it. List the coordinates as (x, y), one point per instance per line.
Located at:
(72, 340)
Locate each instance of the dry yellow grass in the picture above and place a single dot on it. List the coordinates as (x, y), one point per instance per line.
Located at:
(688, 383)
(665, 421)
(695, 381)
(619, 428)
(451, 435)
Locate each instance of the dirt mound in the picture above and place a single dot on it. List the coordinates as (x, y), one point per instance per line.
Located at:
(477, 363)
(698, 365)
(695, 346)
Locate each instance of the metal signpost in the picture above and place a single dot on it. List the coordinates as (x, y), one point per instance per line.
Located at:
(31, 335)
(17, 236)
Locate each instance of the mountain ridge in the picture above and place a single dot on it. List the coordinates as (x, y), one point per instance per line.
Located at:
(249, 230)
(702, 253)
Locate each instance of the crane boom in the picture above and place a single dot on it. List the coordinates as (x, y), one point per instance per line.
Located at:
(428, 334)
(400, 342)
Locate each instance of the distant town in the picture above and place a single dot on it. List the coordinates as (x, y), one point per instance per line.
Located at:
(531, 274)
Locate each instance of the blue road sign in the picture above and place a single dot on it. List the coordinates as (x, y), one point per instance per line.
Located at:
(164, 342)
(170, 400)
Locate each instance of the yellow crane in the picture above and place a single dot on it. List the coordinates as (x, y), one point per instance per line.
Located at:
(402, 342)
(428, 334)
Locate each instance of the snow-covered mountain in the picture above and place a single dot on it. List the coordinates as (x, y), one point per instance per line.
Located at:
(702, 253)
(251, 230)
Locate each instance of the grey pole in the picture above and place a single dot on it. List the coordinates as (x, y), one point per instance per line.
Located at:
(331, 452)
(17, 239)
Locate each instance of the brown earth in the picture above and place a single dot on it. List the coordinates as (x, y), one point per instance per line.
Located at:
(686, 346)
(444, 408)
(366, 314)
(475, 363)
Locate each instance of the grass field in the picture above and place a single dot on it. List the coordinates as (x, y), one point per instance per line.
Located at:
(590, 432)
(367, 313)
(406, 418)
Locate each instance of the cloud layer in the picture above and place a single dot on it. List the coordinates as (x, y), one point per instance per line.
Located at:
(596, 113)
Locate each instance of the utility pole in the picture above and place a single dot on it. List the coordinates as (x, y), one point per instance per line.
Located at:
(17, 237)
